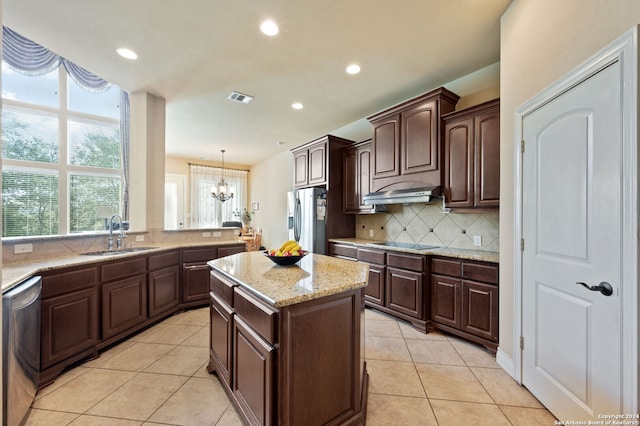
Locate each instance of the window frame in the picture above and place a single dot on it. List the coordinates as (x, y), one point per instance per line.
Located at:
(63, 167)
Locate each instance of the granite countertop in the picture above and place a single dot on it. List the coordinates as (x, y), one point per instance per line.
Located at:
(14, 273)
(485, 256)
(314, 276)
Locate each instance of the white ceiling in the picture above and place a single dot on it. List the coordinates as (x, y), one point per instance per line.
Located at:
(194, 53)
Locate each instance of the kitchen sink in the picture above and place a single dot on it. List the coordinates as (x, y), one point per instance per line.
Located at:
(116, 252)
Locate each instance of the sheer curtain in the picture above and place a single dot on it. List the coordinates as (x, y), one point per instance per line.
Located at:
(206, 211)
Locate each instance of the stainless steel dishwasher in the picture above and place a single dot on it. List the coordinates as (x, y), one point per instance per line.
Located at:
(20, 349)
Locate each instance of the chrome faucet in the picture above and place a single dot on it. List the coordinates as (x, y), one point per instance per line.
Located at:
(120, 237)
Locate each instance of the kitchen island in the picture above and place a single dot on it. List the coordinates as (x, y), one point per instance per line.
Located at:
(287, 342)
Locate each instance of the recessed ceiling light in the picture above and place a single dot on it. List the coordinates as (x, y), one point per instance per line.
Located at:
(297, 105)
(353, 69)
(280, 143)
(127, 53)
(269, 28)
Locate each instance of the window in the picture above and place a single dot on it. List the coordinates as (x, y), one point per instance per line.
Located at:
(206, 211)
(61, 152)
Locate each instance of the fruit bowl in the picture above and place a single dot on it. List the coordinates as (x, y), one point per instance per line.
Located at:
(285, 260)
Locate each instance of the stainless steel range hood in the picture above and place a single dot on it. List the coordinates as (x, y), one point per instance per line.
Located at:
(403, 196)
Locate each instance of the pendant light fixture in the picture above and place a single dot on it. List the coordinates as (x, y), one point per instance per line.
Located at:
(221, 190)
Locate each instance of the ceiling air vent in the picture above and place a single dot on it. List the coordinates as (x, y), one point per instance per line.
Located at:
(239, 97)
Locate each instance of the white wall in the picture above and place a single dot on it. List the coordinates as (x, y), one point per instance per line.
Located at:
(269, 182)
(541, 41)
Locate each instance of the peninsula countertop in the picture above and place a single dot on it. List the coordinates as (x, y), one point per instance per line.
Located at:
(313, 277)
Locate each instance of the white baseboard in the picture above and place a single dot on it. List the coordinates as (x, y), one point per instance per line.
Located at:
(506, 363)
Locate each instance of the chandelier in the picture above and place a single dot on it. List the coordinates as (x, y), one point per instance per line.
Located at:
(221, 190)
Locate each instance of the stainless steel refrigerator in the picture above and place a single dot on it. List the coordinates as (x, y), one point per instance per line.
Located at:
(308, 218)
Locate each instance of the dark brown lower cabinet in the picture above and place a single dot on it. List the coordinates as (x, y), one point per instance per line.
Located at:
(301, 364)
(404, 292)
(124, 305)
(397, 284)
(253, 374)
(480, 314)
(446, 305)
(231, 249)
(465, 300)
(375, 289)
(69, 319)
(69, 326)
(220, 336)
(195, 277)
(195, 272)
(164, 282)
(87, 308)
(164, 290)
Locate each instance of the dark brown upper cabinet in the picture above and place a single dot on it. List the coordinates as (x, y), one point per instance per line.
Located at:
(312, 161)
(471, 140)
(356, 169)
(406, 142)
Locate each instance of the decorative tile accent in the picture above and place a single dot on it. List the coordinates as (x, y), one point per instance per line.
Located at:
(427, 224)
(447, 231)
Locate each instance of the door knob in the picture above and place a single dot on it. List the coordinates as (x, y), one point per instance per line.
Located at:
(604, 288)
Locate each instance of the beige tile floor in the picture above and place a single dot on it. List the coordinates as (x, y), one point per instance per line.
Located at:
(159, 377)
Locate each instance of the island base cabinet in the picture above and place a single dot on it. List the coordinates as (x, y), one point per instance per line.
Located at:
(301, 364)
(253, 371)
(321, 360)
(220, 338)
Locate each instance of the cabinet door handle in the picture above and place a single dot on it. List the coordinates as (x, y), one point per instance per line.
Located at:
(604, 287)
(191, 267)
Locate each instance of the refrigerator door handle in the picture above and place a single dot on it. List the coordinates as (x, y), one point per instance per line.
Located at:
(297, 219)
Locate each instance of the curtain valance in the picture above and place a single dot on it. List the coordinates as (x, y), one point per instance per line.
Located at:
(29, 58)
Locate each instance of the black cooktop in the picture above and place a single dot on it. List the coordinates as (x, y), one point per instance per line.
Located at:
(414, 246)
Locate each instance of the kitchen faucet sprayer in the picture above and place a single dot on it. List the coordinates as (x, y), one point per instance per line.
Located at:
(120, 237)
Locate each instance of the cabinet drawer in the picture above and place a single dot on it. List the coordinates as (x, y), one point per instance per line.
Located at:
(68, 281)
(446, 267)
(222, 288)
(124, 269)
(162, 260)
(344, 250)
(234, 249)
(406, 261)
(480, 272)
(199, 255)
(262, 318)
(371, 256)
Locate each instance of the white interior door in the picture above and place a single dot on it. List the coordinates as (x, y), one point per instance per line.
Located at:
(571, 222)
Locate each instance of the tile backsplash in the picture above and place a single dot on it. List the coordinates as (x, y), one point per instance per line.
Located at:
(427, 224)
